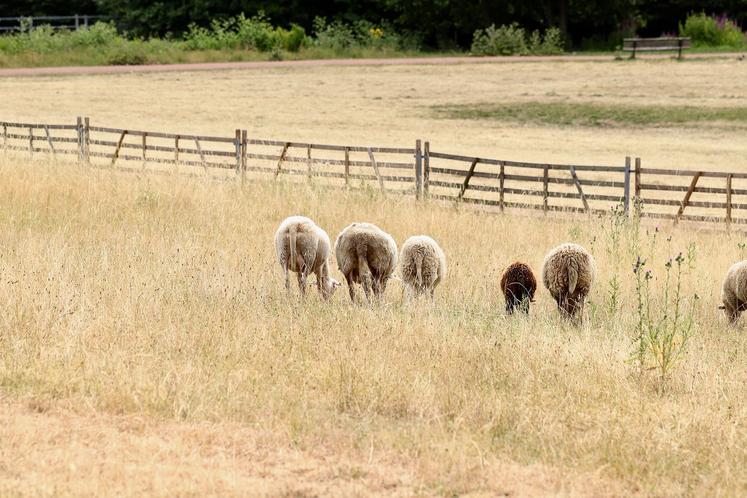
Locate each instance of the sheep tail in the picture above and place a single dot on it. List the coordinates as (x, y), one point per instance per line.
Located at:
(419, 269)
(292, 234)
(361, 250)
(572, 277)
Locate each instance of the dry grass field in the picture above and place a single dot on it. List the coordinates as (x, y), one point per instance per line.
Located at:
(392, 105)
(148, 346)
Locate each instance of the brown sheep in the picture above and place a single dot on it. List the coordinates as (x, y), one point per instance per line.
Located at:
(518, 286)
(568, 273)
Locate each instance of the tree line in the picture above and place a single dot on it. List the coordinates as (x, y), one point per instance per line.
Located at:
(439, 24)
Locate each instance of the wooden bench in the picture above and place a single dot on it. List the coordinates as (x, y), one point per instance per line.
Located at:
(671, 43)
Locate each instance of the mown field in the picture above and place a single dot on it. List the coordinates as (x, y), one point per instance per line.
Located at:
(395, 105)
(148, 346)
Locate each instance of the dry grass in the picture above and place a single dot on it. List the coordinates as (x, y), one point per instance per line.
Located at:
(392, 105)
(159, 299)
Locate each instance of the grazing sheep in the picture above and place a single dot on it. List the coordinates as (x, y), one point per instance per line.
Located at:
(303, 247)
(568, 273)
(518, 285)
(734, 292)
(366, 255)
(423, 265)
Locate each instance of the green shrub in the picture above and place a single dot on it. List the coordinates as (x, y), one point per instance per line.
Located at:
(256, 32)
(98, 35)
(707, 31)
(129, 53)
(552, 43)
(505, 40)
(44, 39)
(338, 36)
(291, 39)
(513, 40)
(335, 35)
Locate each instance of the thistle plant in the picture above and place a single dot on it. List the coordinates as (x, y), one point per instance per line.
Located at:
(663, 327)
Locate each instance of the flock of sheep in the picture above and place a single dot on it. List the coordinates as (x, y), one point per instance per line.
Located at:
(366, 255)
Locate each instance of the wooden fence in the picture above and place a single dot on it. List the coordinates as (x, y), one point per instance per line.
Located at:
(491, 184)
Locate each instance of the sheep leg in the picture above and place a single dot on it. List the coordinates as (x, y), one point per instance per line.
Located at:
(319, 282)
(303, 275)
(732, 307)
(287, 278)
(510, 302)
(367, 285)
(433, 295)
(351, 288)
(524, 305)
(365, 277)
(377, 289)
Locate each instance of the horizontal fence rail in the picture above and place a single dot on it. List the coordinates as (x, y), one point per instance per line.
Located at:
(490, 184)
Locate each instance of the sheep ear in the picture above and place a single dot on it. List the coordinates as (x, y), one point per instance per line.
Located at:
(722, 307)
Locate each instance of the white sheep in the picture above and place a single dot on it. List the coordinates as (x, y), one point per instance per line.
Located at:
(734, 291)
(422, 265)
(568, 273)
(303, 247)
(366, 255)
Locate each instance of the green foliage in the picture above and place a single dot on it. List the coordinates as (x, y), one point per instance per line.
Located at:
(513, 40)
(293, 39)
(505, 40)
(44, 39)
(127, 54)
(339, 36)
(254, 33)
(707, 31)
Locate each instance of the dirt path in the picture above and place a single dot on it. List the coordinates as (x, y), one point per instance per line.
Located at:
(404, 61)
(45, 450)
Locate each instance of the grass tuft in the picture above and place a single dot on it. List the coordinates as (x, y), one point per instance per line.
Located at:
(592, 114)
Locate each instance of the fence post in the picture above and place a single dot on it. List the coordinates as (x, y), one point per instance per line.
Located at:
(77, 22)
(237, 147)
(627, 185)
(545, 188)
(31, 141)
(5, 137)
(244, 151)
(426, 168)
(308, 162)
(638, 178)
(418, 170)
(347, 165)
(79, 130)
(728, 200)
(87, 140)
(502, 178)
(145, 148)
